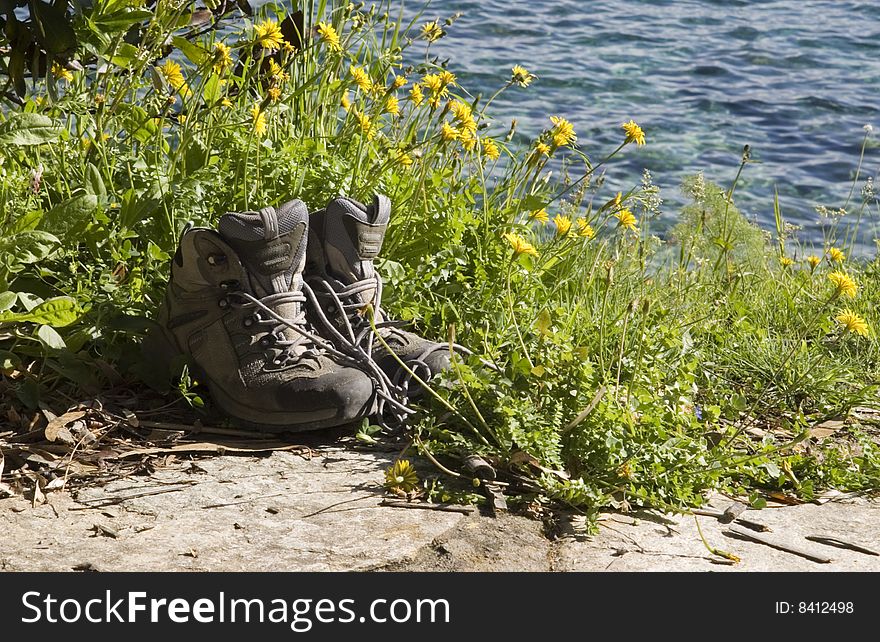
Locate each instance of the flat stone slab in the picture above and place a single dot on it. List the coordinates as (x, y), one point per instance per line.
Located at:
(278, 513)
(289, 512)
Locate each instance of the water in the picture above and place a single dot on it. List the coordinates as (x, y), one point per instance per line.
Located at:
(795, 79)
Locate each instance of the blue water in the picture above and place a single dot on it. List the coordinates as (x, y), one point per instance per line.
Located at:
(795, 79)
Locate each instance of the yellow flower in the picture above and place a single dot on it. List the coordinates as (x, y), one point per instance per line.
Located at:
(416, 95)
(490, 149)
(345, 101)
(563, 132)
(627, 220)
(786, 261)
(634, 133)
(61, 73)
(852, 322)
(222, 57)
(521, 76)
(398, 82)
(173, 74)
(520, 245)
(448, 132)
(461, 111)
(258, 119)
(277, 72)
(542, 149)
(361, 78)
(100, 99)
(366, 125)
(392, 105)
(432, 31)
(181, 118)
(617, 198)
(447, 77)
(401, 477)
(268, 35)
(274, 94)
(585, 229)
(433, 83)
(468, 140)
(843, 284)
(402, 158)
(226, 102)
(328, 34)
(813, 261)
(540, 215)
(836, 255)
(563, 224)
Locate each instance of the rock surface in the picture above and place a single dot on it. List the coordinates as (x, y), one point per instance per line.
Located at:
(287, 512)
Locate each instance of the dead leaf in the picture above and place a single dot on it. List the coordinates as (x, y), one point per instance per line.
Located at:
(57, 427)
(826, 428)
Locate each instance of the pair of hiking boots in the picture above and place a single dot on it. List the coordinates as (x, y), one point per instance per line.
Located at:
(271, 310)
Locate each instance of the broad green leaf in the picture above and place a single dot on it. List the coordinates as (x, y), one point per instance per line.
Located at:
(121, 20)
(197, 55)
(7, 300)
(94, 181)
(542, 323)
(71, 215)
(212, 91)
(50, 338)
(9, 360)
(25, 248)
(25, 222)
(124, 56)
(58, 311)
(52, 27)
(29, 129)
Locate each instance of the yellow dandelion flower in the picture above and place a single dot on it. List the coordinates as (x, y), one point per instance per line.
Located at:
(366, 125)
(222, 57)
(563, 132)
(416, 95)
(563, 224)
(618, 198)
(634, 133)
(361, 78)
(813, 261)
(521, 76)
(461, 111)
(585, 229)
(627, 220)
(274, 94)
(433, 84)
(181, 118)
(100, 99)
(402, 158)
(172, 72)
(786, 261)
(447, 77)
(434, 102)
(491, 149)
(836, 255)
(540, 215)
(448, 132)
(401, 476)
(61, 73)
(851, 322)
(345, 101)
(258, 120)
(268, 35)
(329, 35)
(843, 284)
(542, 149)
(468, 140)
(277, 72)
(392, 105)
(432, 31)
(520, 245)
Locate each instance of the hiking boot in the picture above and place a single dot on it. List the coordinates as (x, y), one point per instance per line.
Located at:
(234, 306)
(344, 238)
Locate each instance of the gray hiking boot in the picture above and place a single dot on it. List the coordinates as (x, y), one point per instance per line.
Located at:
(234, 305)
(344, 238)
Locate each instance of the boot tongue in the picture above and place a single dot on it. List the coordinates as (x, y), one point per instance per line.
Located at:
(353, 238)
(271, 245)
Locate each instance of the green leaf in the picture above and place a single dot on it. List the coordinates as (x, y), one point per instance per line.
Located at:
(71, 215)
(53, 28)
(7, 300)
(94, 181)
(543, 322)
(25, 248)
(124, 56)
(212, 91)
(50, 338)
(121, 20)
(58, 311)
(29, 129)
(197, 55)
(25, 222)
(9, 361)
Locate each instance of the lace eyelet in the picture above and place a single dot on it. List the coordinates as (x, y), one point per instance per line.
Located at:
(267, 341)
(248, 321)
(223, 303)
